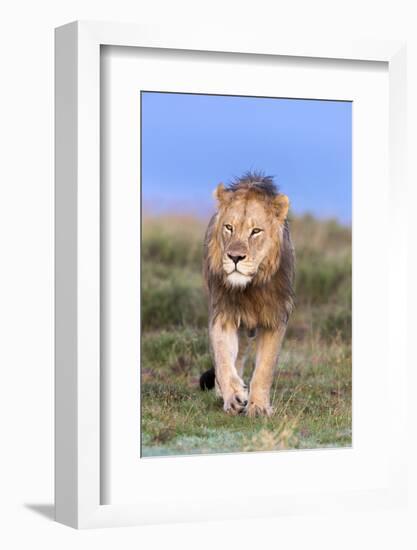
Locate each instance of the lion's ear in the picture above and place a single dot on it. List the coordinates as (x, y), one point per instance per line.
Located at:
(282, 204)
(219, 193)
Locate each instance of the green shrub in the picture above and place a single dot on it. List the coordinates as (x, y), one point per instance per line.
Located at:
(322, 280)
(165, 347)
(173, 242)
(176, 300)
(337, 323)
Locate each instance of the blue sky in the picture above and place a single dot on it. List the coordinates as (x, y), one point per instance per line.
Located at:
(190, 143)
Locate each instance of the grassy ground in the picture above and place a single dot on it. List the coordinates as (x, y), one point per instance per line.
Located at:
(311, 394)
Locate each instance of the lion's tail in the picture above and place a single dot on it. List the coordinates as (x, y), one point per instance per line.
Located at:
(207, 380)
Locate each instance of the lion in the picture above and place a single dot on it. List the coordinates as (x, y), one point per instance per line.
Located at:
(248, 270)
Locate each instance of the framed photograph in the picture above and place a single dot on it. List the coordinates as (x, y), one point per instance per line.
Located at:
(227, 223)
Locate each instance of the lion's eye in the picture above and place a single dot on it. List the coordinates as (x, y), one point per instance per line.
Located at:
(228, 227)
(256, 230)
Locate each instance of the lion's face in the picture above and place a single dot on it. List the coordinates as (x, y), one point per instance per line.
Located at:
(249, 231)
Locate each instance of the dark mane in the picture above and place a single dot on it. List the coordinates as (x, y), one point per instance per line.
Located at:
(257, 181)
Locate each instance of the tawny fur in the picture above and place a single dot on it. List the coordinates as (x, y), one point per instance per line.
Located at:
(251, 226)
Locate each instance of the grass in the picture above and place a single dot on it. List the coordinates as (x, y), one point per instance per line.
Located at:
(311, 394)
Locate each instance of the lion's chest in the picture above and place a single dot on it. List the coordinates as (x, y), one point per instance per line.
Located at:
(252, 308)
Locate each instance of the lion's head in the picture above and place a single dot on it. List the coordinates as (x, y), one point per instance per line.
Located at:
(246, 237)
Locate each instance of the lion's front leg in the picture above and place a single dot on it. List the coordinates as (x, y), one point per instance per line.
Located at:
(224, 343)
(268, 345)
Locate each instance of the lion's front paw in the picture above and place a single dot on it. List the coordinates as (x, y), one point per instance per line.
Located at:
(236, 399)
(258, 408)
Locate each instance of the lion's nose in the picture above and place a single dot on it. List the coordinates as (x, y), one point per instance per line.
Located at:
(236, 259)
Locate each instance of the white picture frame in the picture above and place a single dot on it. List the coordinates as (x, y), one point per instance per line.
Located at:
(78, 404)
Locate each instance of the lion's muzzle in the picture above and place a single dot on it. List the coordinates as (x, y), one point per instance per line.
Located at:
(236, 259)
